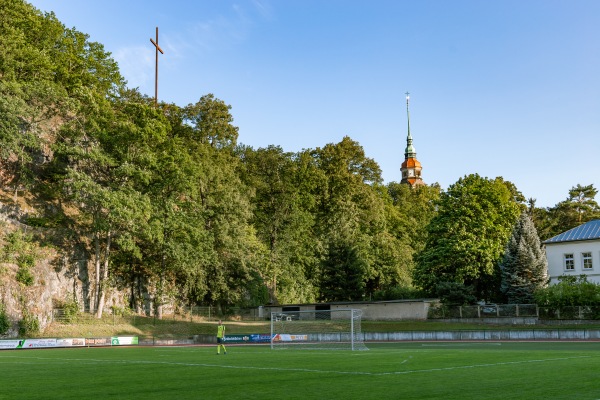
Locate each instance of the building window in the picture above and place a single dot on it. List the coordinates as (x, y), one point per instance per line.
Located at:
(569, 262)
(586, 259)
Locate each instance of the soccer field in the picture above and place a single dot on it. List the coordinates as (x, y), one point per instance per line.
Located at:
(452, 370)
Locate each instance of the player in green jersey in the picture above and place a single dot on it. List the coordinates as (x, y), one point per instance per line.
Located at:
(221, 338)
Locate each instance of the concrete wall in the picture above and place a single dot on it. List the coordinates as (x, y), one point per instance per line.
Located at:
(534, 334)
(371, 311)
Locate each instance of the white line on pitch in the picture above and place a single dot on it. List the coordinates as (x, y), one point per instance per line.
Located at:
(303, 369)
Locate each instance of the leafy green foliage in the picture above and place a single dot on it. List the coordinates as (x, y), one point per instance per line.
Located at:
(4, 320)
(569, 291)
(25, 276)
(466, 238)
(398, 293)
(22, 250)
(579, 207)
(167, 203)
(70, 310)
(343, 272)
(455, 293)
(29, 325)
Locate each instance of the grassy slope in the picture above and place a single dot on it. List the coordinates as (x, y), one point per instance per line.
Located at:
(87, 326)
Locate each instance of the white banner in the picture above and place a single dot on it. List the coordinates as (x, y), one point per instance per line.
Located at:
(123, 340)
(38, 343)
(74, 342)
(284, 337)
(9, 344)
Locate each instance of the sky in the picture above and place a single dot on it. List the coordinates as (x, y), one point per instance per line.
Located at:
(505, 88)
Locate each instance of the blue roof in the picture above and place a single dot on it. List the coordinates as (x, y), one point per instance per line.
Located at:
(588, 231)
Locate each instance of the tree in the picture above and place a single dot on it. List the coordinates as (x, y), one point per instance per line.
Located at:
(524, 266)
(408, 212)
(466, 239)
(343, 273)
(579, 207)
(210, 121)
(283, 220)
(350, 208)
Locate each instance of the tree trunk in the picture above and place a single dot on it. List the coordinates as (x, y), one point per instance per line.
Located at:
(102, 296)
(96, 294)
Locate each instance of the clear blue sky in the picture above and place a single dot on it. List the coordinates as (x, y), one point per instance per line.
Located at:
(500, 88)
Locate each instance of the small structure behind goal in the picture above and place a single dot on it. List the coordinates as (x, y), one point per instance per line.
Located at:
(319, 329)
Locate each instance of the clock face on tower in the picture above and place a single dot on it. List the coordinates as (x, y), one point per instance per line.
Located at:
(411, 172)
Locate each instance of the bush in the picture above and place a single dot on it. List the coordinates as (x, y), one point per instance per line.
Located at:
(398, 293)
(570, 291)
(24, 276)
(29, 326)
(4, 321)
(71, 310)
(121, 311)
(455, 293)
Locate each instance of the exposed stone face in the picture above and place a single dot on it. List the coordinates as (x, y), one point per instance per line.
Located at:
(55, 280)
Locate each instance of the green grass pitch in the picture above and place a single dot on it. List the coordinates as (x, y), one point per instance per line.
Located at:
(452, 370)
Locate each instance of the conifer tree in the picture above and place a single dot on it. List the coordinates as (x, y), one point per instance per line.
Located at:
(524, 266)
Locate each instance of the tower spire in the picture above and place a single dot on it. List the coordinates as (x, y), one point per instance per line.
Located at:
(411, 167)
(407, 113)
(410, 151)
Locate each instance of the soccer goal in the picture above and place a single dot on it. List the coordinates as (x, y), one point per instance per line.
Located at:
(320, 329)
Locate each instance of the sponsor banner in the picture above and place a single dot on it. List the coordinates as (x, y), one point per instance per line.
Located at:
(284, 337)
(38, 343)
(123, 340)
(10, 344)
(235, 338)
(253, 338)
(97, 342)
(260, 338)
(72, 342)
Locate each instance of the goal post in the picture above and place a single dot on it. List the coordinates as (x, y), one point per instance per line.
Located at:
(319, 329)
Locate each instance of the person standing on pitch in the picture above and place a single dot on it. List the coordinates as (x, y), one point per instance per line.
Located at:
(221, 338)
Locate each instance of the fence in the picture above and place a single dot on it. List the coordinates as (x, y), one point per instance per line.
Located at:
(442, 311)
(189, 314)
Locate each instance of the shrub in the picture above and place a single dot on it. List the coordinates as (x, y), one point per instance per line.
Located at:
(71, 310)
(121, 311)
(25, 276)
(4, 321)
(29, 326)
(570, 291)
(455, 293)
(398, 293)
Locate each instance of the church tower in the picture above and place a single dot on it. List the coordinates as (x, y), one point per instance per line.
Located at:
(411, 168)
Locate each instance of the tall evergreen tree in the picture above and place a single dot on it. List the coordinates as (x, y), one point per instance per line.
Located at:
(524, 266)
(343, 272)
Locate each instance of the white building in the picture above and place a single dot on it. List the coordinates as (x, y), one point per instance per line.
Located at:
(575, 252)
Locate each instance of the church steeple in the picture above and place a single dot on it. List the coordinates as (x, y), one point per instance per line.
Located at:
(411, 168)
(410, 151)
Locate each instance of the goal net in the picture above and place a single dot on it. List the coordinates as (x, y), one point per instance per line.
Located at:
(320, 329)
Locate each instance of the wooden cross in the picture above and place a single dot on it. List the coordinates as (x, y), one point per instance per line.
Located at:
(156, 69)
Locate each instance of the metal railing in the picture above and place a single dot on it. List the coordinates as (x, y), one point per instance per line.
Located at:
(189, 314)
(443, 311)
